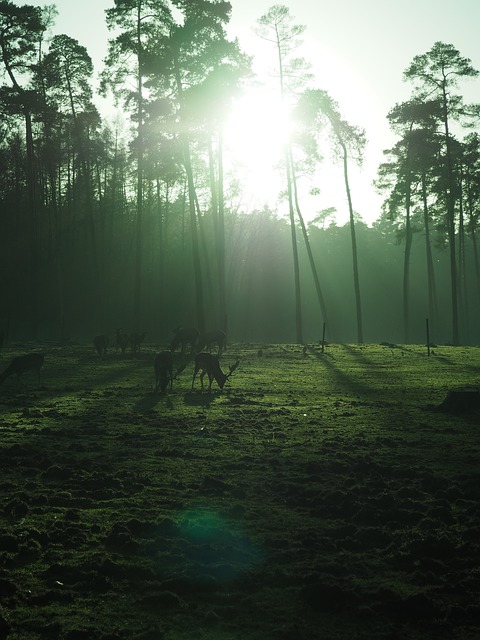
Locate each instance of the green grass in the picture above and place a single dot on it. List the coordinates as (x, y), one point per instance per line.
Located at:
(319, 495)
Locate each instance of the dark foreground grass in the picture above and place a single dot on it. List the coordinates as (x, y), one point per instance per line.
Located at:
(317, 496)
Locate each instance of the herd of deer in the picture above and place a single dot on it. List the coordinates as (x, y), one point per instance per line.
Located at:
(206, 362)
(123, 341)
(200, 347)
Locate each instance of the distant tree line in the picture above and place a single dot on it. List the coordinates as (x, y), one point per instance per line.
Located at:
(135, 223)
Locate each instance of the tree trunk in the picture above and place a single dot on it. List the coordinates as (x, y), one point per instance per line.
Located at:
(313, 267)
(356, 278)
(406, 261)
(192, 196)
(451, 222)
(195, 243)
(32, 236)
(137, 294)
(221, 236)
(204, 254)
(476, 258)
(432, 292)
(296, 266)
(462, 275)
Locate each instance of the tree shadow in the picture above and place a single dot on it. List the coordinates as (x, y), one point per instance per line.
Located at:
(346, 381)
(151, 399)
(200, 398)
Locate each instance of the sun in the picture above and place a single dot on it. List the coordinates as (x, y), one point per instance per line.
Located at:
(254, 136)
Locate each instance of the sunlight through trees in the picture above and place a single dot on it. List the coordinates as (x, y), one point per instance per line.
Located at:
(196, 204)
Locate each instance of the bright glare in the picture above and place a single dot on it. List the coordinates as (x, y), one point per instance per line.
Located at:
(254, 136)
(257, 129)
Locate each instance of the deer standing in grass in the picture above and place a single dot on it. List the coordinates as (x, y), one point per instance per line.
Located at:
(136, 340)
(100, 344)
(208, 339)
(163, 366)
(210, 365)
(184, 336)
(21, 364)
(123, 340)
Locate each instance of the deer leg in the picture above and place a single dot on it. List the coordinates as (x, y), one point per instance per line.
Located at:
(194, 376)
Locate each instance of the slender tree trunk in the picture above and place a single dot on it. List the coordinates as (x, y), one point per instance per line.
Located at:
(471, 227)
(291, 212)
(204, 253)
(31, 190)
(87, 185)
(296, 265)
(195, 243)
(462, 273)
(406, 259)
(313, 267)
(199, 296)
(162, 215)
(451, 221)
(58, 252)
(137, 295)
(221, 235)
(112, 209)
(476, 262)
(33, 242)
(476, 258)
(356, 278)
(432, 293)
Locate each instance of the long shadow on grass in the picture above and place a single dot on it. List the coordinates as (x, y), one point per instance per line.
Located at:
(439, 357)
(405, 351)
(200, 399)
(151, 400)
(371, 366)
(349, 383)
(80, 372)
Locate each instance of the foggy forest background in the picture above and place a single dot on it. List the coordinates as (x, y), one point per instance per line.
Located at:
(140, 223)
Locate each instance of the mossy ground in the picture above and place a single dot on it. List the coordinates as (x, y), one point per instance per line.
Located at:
(319, 495)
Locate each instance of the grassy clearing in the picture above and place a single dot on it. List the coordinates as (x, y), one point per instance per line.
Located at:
(319, 495)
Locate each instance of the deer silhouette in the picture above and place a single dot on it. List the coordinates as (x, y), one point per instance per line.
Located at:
(210, 338)
(100, 344)
(163, 366)
(21, 364)
(209, 364)
(184, 336)
(136, 340)
(122, 340)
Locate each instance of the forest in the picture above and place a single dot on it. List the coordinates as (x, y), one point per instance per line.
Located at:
(140, 224)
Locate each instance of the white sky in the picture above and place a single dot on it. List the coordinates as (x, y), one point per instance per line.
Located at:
(358, 50)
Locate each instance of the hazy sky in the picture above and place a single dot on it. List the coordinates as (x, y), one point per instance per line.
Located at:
(358, 49)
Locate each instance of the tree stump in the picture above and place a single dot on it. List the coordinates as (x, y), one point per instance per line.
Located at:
(461, 400)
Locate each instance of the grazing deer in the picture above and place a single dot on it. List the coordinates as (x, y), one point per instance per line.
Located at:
(100, 344)
(136, 340)
(210, 338)
(210, 365)
(20, 364)
(123, 340)
(184, 336)
(163, 365)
